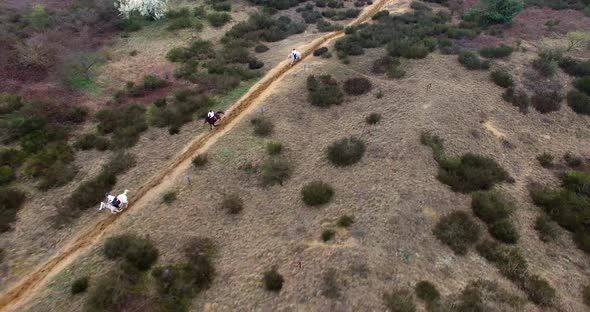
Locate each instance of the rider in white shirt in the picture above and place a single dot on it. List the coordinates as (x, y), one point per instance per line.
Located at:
(210, 114)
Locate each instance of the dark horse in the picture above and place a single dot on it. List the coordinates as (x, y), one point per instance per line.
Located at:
(211, 121)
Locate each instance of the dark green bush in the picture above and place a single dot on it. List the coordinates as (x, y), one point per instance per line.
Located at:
(200, 160)
(583, 84)
(218, 19)
(79, 285)
(274, 148)
(545, 160)
(232, 203)
(138, 252)
(482, 295)
(328, 235)
(509, 260)
(471, 173)
(399, 301)
(324, 91)
(517, 98)
(180, 12)
(419, 6)
(546, 102)
(488, 12)
(11, 200)
(58, 174)
(345, 221)
(169, 197)
(346, 152)
(502, 78)
(373, 118)
(412, 49)
(572, 160)
(6, 174)
(260, 48)
(273, 281)
(501, 51)
(471, 61)
(540, 291)
(579, 102)
(548, 230)
(426, 291)
(357, 86)
(458, 231)
(262, 126)
(575, 67)
(221, 6)
(275, 171)
(491, 206)
(110, 291)
(310, 17)
(317, 193)
(179, 23)
(461, 33)
(151, 82)
(86, 142)
(504, 231)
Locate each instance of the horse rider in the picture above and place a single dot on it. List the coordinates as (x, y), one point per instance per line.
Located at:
(294, 56)
(210, 115)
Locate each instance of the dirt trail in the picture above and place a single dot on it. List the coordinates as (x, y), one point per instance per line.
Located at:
(26, 288)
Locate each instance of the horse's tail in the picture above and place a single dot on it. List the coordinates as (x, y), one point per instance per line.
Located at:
(220, 112)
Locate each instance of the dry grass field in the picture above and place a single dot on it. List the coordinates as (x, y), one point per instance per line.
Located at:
(392, 194)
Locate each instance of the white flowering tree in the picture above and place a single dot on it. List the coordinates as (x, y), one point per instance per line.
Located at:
(153, 8)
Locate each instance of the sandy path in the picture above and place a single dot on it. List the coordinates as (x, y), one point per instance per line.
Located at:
(27, 287)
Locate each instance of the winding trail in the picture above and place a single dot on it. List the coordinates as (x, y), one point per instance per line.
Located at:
(30, 284)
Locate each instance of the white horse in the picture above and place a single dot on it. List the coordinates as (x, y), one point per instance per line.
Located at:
(108, 203)
(294, 56)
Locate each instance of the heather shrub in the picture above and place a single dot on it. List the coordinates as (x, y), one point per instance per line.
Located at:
(575, 67)
(260, 48)
(482, 295)
(357, 86)
(274, 148)
(79, 285)
(273, 281)
(345, 221)
(502, 78)
(491, 206)
(328, 235)
(275, 171)
(151, 82)
(169, 197)
(399, 301)
(138, 252)
(504, 231)
(200, 160)
(373, 118)
(232, 203)
(221, 6)
(517, 98)
(320, 51)
(471, 172)
(579, 102)
(11, 200)
(426, 291)
(218, 19)
(545, 160)
(458, 231)
(471, 61)
(508, 259)
(324, 91)
(255, 64)
(262, 126)
(179, 23)
(547, 229)
(324, 26)
(583, 84)
(6, 174)
(317, 193)
(501, 51)
(346, 152)
(311, 17)
(546, 63)
(546, 102)
(540, 291)
(489, 12)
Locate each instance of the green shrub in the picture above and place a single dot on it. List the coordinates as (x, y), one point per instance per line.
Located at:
(504, 231)
(110, 290)
(502, 78)
(346, 152)
(86, 142)
(540, 291)
(275, 171)
(328, 235)
(548, 230)
(488, 12)
(345, 221)
(260, 48)
(6, 174)
(232, 203)
(509, 260)
(471, 173)
(11, 200)
(482, 295)
(79, 285)
(169, 197)
(583, 84)
(501, 51)
(11, 157)
(399, 301)
(151, 82)
(317, 193)
(180, 12)
(373, 118)
(471, 61)
(137, 252)
(545, 160)
(179, 23)
(458, 231)
(274, 148)
(572, 160)
(546, 102)
(426, 291)
(221, 6)
(357, 86)
(218, 19)
(324, 91)
(200, 160)
(575, 67)
(311, 17)
(461, 33)
(409, 48)
(262, 126)
(10, 103)
(273, 281)
(491, 206)
(58, 174)
(579, 102)
(517, 98)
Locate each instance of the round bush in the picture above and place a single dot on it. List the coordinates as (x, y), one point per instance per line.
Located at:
(373, 118)
(274, 148)
(141, 254)
(273, 281)
(169, 197)
(491, 206)
(275, 171)
(260, 48)
(347, 151)
(255, 64)
(232, 203)
(262, 126)
(502, 78)
(545, 160)
(79, 285)
(504, 231)
(200, 160)
(583, 84)
(426, 291)
(328, 235)
(345, 221)
(357, 86)
(320, 51)
(116, 246)
(546, 102)
(317, 193)
(579, 102)
(540, 291)
(470, 60)
(458, 231)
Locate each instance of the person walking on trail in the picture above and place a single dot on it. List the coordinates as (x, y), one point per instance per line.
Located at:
(294, 56)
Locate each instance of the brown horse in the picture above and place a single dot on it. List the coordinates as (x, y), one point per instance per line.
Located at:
(211, 121)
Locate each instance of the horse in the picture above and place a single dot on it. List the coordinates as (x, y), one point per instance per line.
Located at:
(294, 56)
(211, 121)
(123, 203)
